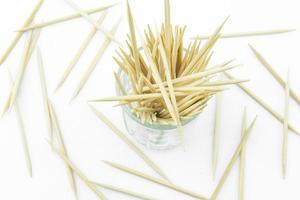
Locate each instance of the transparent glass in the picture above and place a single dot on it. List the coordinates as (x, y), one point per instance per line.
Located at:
(154, 136)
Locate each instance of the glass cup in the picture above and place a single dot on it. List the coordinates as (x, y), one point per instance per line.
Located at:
(154, 135)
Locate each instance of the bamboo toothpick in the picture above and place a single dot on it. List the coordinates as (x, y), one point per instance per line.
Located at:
(285, 126)
(23, 133)
(80, 51)
(28, 50)
(19, 35)
(216, 135)
(247, 34)
(242, 158)
(62, 147)
(24, 139)
(72, 166)
(232, 161)
(44, 93)
(155, 180)
(124, 191)
(272, 71)
(264, 105)
(15, 86)
(95, 61)
(130, 144)
(89, 19)
(65, 18)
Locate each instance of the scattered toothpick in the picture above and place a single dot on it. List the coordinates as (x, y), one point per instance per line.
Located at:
(247, 34)
(44, 93)
(95, 61)
(242, 158)
(155, 180)
(15, 86)
(27, 52)
(124, 191)
(232, 161)
(72, 166)
(80, 51)
(277, 77)
(23, 133)
(130, 144)
(62, 146)
(285, 126)
(65, 18)
(19, 35)
(264, 105)
(216, 135)
(89, 19)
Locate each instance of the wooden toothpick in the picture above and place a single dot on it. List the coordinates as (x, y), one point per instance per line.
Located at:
(242, 158)
(285, 126)
(95, 61)
(80, 51)
(88, 18)
(232, 161)
(264, 105)
(247, 34)
(80, 174)
(124, 191)
(156, 180)
(62, 147)
(19, 35)
(130, 144)
(65, 18)
(23, 133)
(272, 71)
(216, 135)
(44, 93)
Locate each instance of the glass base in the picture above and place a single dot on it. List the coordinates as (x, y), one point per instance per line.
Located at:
(153, 138)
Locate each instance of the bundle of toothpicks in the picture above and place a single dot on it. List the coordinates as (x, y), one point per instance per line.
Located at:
(168, 83)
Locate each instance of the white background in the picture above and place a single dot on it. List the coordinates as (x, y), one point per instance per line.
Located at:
(89, 141)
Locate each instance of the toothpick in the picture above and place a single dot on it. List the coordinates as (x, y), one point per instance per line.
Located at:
(95, 61)
(28, 50)
(156, 180)
(277, 77)
(268, 108)
(89, 19)
(242, 158)
(247, 34)
(216, 135)
(65, 18)
(232, 161)
(62, 147)
(19, 35)
(130, 144)
(285, 126)
(72, 166)
(23, 132)
(124, 191)
(44, 93)
(80, 51)
(15, 86)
